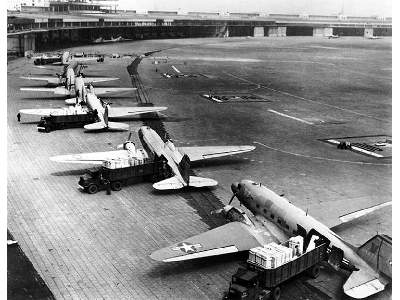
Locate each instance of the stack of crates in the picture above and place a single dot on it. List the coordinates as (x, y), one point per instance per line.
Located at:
(270, 256)
(122, 163)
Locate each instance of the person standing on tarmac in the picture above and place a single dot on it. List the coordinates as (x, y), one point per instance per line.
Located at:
(19, 117)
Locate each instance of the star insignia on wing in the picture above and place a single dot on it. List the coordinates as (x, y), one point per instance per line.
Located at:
(187, 247)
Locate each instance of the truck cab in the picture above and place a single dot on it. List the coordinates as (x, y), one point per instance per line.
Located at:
(246, 285)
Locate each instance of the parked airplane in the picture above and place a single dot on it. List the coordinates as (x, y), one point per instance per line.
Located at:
(104, 112)
(74, 86)
(275, 220)
(177, 73)
(333, 36)
(112, 40)
(72, 70)
(178, 158)
(65, 59)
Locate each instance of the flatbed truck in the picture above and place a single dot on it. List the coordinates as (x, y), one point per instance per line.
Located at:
(252, 281)
(114, 178)
(54, 122)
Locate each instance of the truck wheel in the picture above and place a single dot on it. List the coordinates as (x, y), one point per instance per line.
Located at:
(92, 189)
(276, 293)
(47, 128)
(116, 186)
(314, 271)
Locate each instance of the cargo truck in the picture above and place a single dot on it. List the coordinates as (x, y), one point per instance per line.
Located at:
(252, 281)
(114, 176)
(54, 122)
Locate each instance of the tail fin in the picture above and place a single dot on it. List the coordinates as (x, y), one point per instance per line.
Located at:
(184, 167)
(377, 252)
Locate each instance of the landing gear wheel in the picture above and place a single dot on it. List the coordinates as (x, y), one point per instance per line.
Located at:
(92, 189)
(276, 293)
(116, 186)
(314, 271)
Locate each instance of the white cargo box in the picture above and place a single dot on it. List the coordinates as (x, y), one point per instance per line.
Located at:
(296, 244)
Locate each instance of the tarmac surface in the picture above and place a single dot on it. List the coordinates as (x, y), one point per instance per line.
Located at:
(97, 246)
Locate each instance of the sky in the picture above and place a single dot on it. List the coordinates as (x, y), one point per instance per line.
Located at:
(351, 7)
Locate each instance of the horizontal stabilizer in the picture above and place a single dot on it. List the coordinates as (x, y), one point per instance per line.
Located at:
(201, 182)
(362, 212)
(109, 90)
(172, 183)
(95, 126)
(363, 290)
(117, 126)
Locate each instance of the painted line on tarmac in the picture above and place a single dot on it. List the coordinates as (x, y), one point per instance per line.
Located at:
(290, 117)
(321, 158)
(305, 99)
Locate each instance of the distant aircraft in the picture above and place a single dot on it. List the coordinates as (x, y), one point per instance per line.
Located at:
(104, 112)
(112, 40)
(178, 158)
(333, 36)
(275, 220)
(65, 59)
(73, 88)
(177, 73)
(68, 75)
(373, 37)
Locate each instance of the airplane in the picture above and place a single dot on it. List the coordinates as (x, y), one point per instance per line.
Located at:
(103, 109)
(68, 75)
(65, 59)
(112, 40)
(178, 158)
(333, 36)
(275, 219)
(177, 74)
(73, 88)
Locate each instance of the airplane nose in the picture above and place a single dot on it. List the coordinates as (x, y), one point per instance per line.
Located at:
(235, 187)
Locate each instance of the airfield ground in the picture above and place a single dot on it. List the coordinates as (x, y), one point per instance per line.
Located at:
(97, 246)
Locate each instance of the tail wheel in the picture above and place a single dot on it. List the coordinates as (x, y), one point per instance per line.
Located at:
(92, 189)
(116, 186)
(276, 293)
(314, 271)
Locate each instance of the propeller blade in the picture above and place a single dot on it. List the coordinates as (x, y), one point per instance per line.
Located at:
(230, 201)
(130, 135)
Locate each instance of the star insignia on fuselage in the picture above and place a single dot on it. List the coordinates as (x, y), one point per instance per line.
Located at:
(187, 247)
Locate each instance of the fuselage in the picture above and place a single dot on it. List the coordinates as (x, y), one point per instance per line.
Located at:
(153, 144)
(291, 219)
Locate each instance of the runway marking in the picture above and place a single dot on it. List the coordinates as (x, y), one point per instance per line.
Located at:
(290, 117)
(305, 99)
(321, 158)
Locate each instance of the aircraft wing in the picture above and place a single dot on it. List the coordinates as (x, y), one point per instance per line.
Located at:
(344, 210)
(199, 153)
(51, 80)
(88, 80)
(229, 238)
(115, 112)
(363, 283)
(44, 111)
(91, 158)
(109, 90)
